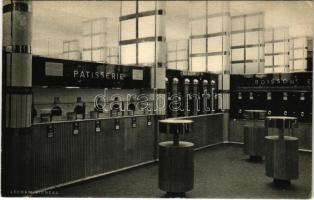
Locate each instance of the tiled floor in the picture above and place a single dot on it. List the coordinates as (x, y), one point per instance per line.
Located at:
(220, 172)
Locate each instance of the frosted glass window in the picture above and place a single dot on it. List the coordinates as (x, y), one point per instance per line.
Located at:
(198, 64)
(214, 63)
(237, 68)
(146, 26)
(66, 46)
(128, 29)
(182, 65)
(237, 39)
(73, 46)
(128, 7)
(268, 70)
(97, 55)
(268, 60)
(279, 47)
(299, 64)
(197, 9)
(214, 44)
(299, 53)
(299, 43)
(237, 24)
(87, 42)
(99, 26)
(252, 53)
(279, 35)
(171, 65)
(269, 48)
(251, 68)
(198, 27)
(114, 51)
(268, 34)
(237, 54)
(74, 55)
(279, 60)
(182, 44)
(172, 56)
(181, 55)
(99, 41)
(214, 25)
(279, 69)
(251, 37)
(113, 60)
(199, 45)
(146, 6)
(171, 46)
(87, 55)
(128, 54)
(252, 22)
(146, 52)
(87, 28)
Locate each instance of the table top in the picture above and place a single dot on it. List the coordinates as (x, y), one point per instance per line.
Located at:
(182, 144)
(176, 121)
(277, 138)
(255, 111)
(281, 118)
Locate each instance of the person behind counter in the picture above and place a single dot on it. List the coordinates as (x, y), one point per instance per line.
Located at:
(79, 108)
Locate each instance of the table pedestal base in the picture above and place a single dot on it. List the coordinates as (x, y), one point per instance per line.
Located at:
(282, 158)
(176, 167)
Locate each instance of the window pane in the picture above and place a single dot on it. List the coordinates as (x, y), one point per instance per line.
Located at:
(214, 25)
(87, 55)
(182, 44)
(268, 48)
(279, 47)
(237, 68)
(99, 41)
(237, 24)
(299, 64)
(99, 26)
(128, 54)
(172, 56)
(215, 44)
(146, 6)
(182, 65)
(252, 22)
(251, 37)
(146, 52)
(128, 29)
(237, 39)
(146, 26)
(251, 68)
(199, 45)
(199, 64)
(171, 65)
(279, 60)
(181, 55)
(87, 42)
(128, 7)
(299, 53)
(214, 63)
(198, 27)
(252, 53)
(237, 54)
(268, 60)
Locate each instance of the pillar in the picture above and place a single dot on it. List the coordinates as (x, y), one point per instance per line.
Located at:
(17, 96)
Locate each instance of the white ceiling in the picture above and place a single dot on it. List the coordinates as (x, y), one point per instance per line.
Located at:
(61, 20)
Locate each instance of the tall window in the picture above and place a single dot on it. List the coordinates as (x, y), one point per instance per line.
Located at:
(247, 43)
(276, 50)
(209, 40)
(178, 54)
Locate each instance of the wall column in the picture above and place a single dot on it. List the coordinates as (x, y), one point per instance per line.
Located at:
(17, 97)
